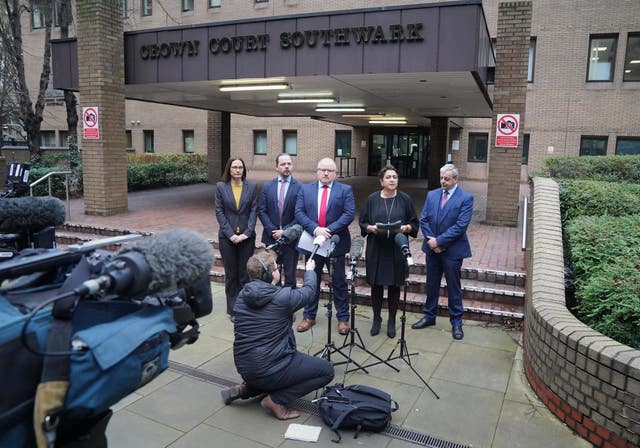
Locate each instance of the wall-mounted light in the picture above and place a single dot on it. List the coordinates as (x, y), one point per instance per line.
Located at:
(253, 87)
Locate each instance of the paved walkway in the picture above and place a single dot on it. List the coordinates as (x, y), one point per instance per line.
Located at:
(485, 401)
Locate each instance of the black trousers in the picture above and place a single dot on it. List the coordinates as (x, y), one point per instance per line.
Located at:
(303, 375)
(288, 258)
(234, 260)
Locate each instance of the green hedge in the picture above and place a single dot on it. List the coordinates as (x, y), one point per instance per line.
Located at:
(603, 168)
(605, 256)
(595, 198)
(165, 174)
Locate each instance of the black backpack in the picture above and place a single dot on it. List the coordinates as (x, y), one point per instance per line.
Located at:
(360, 407)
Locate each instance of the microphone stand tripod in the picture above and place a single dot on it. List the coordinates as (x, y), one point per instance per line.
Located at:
(353, 332)
(404, 351)
(330, 346)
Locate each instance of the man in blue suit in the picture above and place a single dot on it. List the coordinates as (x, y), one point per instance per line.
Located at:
(325, 208)
(444, 221)
(276, 210)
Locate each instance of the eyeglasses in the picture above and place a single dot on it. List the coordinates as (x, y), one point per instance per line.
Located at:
(237, 167)
(326, 170)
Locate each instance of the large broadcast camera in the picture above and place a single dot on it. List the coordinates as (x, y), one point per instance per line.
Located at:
(81, 328)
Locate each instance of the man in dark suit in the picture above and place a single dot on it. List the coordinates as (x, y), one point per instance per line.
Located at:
(276, 210)
(325, 208)
(444, 220)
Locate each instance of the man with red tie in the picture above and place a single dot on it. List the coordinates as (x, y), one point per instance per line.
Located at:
(325, 208)
(276, 210)
(444, 220)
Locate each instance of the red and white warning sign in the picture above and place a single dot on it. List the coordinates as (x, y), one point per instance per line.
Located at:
(507, 130)
(90, 123)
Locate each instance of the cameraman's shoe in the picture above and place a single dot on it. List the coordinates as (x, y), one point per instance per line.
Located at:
(281, 412)
(233, 393)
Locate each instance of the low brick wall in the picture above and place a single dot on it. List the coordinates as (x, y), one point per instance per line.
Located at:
(589, 381)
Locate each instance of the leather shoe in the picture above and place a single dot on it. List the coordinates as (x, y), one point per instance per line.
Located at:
(343, 328)
(281, 412)
(424, 323)
(305, 325)
(233, 393)
(456, 332)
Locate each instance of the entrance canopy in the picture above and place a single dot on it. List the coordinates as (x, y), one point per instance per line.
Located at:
(415, 62)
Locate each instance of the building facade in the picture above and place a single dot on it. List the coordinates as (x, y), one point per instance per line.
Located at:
(583, 94)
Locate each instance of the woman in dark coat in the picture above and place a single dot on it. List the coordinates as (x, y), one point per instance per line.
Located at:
(236, 211)
(384, 260)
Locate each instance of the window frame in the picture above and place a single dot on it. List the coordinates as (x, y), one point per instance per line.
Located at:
(531, 61)
(50, 136)
(605, 138)
(289, 132)
(184, 8)
(526, 138)
(210, 5)
(635, 34)
(185, 133)
(35, 9)
(260, 133)
(486, 155)
(145, 133)
(614, 50)
(632, 138)
(335, 149)
(128, 138)
(124, 4)
(146, 7)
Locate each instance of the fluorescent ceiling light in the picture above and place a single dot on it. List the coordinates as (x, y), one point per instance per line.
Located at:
(391, 118)
(634, 61)
(601, 48)
(305, 95)
(340, 109)
(387, 121)
(306, 100)
(253, 87)
(363, 115)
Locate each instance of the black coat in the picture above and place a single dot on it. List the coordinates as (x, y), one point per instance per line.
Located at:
(264, 341)
(384, 260)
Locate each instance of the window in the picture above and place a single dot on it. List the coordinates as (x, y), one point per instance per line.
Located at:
(128, 140)
(290, 142)
(47, 138)
(188, 141)
(532, 59)
(214, 3)
(343, 144)
(124, 4)
(187, 5)
(260, 142)
(593, 146)
(148, 141)
(632, 58)
(602, 57)
(525, 149)
(37, 18)
(262, 1)
(62, 137)
(478, 147)
(491, 71)
(628, 146)
(147, 7)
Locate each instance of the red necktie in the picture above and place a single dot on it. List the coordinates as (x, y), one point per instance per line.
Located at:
(445, 197)
(283, 183)
(322, 217)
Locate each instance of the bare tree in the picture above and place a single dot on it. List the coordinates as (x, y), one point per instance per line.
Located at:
(29, 114)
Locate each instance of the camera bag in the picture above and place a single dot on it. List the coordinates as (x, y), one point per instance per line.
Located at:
(358, 407)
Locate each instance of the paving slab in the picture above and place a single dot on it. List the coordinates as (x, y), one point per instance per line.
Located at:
(130, 430)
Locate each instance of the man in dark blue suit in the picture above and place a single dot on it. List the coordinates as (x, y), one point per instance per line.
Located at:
(325, 208)
(444, 220)
(276, 210)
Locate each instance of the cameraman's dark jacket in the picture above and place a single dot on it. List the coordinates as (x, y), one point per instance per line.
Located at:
(264, 342)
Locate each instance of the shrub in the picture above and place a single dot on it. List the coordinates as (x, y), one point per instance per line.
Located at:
(165, 174)
(603, 168)
(595, 198)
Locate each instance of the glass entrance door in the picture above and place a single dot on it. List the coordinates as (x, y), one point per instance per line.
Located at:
(404, 148)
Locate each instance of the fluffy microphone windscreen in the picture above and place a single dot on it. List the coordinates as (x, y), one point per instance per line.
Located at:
(30, 214)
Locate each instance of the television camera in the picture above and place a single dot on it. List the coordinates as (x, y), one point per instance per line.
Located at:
(82, 327)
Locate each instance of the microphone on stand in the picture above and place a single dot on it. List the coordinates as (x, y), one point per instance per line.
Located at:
(333, 242)
(402, 242)
(354, 253)
(288, 236)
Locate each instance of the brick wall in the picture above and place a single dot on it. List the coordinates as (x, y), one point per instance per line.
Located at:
(101, 80)
(510, 95)
(589, 381)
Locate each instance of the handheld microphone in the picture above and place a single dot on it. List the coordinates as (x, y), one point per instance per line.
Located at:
(333, 242)
(317, 242)
(30, 214)
(402, 242)
(357, 242)
(178, 259)
(288, 236)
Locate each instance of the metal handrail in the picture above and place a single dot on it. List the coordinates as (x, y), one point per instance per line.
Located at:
(525, 217)
(47, 177)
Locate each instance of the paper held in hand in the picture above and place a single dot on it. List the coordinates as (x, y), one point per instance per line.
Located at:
(306, 242)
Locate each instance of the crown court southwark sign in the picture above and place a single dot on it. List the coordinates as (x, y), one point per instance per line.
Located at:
(411, 32)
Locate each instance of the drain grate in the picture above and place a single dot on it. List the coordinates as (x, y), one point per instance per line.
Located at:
(394, 431)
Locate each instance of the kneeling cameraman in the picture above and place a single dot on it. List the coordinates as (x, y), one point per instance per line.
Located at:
(264, 348)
